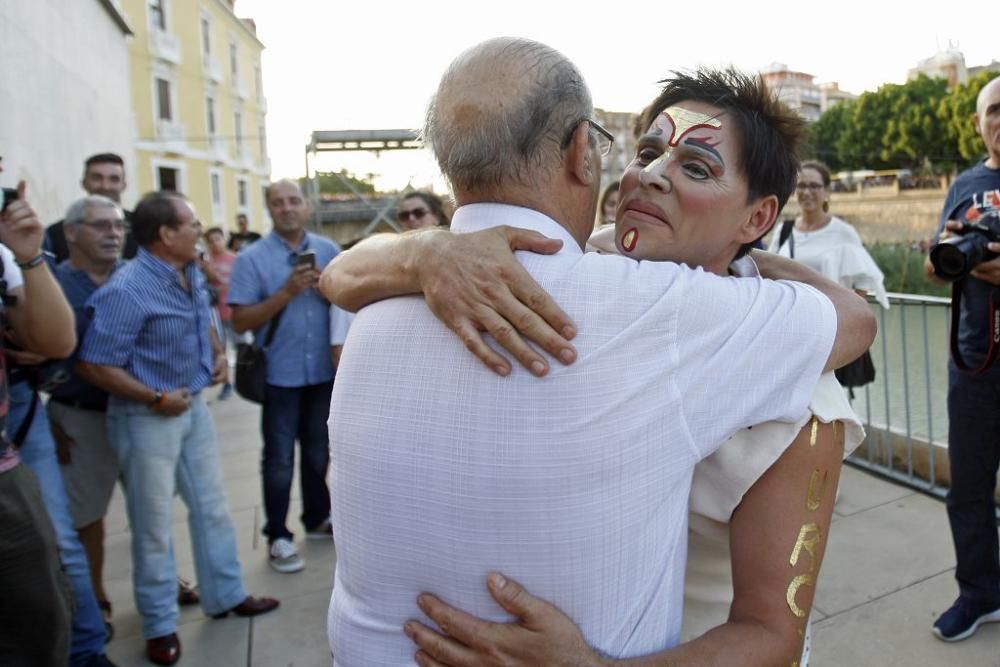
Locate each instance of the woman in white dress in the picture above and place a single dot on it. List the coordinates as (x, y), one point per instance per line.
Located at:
(824, 242)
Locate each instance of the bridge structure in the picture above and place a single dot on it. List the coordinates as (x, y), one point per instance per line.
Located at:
(371, 141)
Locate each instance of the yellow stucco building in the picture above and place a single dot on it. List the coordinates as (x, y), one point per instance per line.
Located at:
(198, 99)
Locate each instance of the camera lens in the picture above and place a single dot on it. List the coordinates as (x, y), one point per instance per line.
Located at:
(949, 261)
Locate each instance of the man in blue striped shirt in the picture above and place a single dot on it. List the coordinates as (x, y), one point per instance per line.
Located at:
(274, 279)
(151, 346)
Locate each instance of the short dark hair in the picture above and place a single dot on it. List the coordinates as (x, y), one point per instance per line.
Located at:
(770, 133)
(434, 203)
(104, 158)
(821, 169)
(214, 230)
(155, 210)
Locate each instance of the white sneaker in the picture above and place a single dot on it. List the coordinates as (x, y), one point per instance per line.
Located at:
(285, 557)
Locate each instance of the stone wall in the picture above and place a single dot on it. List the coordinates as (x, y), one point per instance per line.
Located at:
(884, 215)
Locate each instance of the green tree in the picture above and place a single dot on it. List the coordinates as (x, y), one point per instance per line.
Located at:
(956, 113)
(824, 134)
(333, 183)
(914, 135)
(859, 146)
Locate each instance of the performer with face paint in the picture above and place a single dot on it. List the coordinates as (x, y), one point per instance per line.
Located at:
(530, 511)
(676, 196)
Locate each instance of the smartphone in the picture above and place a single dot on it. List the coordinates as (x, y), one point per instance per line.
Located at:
(9, 195)
(308, 258)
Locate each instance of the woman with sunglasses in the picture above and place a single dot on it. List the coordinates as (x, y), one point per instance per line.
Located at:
(421, 209)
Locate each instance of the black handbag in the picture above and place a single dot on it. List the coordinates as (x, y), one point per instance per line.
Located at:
(251, 365)
(858, 373)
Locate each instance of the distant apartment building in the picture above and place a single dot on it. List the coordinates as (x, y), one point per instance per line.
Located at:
(199, 105)
(993, 66)
(947, 64)
(796, 89)
(65, 95)
(831, 95)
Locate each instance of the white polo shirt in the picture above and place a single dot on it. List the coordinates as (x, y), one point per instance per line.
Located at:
(575, 484)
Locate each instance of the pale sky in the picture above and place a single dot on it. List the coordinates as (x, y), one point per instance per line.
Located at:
(373, 64)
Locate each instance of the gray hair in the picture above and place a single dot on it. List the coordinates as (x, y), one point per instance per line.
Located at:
(77, 211)
(502, 114)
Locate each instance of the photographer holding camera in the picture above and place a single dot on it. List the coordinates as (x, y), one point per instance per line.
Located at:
(966, 254)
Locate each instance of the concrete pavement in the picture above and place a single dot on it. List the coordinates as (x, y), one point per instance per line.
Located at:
(888, 573)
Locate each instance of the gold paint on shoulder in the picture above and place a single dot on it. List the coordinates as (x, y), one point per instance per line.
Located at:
(814, 432)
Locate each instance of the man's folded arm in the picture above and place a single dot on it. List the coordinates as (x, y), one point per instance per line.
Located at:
(471, 282)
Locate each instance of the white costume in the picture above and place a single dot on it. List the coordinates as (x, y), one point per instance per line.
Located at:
(575, 484)
(721, 481)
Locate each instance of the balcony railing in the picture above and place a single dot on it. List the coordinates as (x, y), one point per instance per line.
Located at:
(212, 69)
(165, 46)
(171, 135)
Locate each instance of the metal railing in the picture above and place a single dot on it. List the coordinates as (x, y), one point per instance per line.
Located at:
(905, 409)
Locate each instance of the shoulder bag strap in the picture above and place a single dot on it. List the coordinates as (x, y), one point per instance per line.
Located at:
(272, 328)
(786, 235)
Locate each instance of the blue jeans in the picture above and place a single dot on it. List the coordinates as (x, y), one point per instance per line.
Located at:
(161, 456)
(38, 452)
(291, 413)
(974, 456)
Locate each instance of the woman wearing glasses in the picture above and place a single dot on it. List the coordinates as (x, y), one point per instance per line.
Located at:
(824, 242)
(421, 209)
(827, 244)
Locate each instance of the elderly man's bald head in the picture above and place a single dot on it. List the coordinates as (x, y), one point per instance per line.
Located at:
(501, 111)
(985, 93)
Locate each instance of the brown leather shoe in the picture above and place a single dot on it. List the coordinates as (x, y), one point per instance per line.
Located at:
(251, 606)
(164, 650)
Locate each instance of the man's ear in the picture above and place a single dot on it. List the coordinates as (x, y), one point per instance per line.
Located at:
(579, 161)
(69, 231)
(761, 219)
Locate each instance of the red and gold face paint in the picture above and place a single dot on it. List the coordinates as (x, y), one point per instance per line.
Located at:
(629, 239)
(676, 122)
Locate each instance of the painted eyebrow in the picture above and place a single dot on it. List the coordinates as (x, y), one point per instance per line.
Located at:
(703, 145)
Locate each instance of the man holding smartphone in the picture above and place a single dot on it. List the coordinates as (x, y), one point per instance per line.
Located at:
(272, 285)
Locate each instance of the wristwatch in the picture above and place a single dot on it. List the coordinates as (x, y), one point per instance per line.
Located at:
(157, 400)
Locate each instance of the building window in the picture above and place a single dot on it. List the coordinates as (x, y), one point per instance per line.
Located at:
(158, 14)
(210, 115)
(241, 193)
(234, 69)
(167, 178)
(206, 37)
(238, 123)
(216, 189)
(163, 110)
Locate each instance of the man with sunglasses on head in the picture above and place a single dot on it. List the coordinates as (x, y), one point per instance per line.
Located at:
(578, 482)
(272, 286)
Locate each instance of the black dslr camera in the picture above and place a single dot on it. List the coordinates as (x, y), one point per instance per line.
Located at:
(954, 257)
